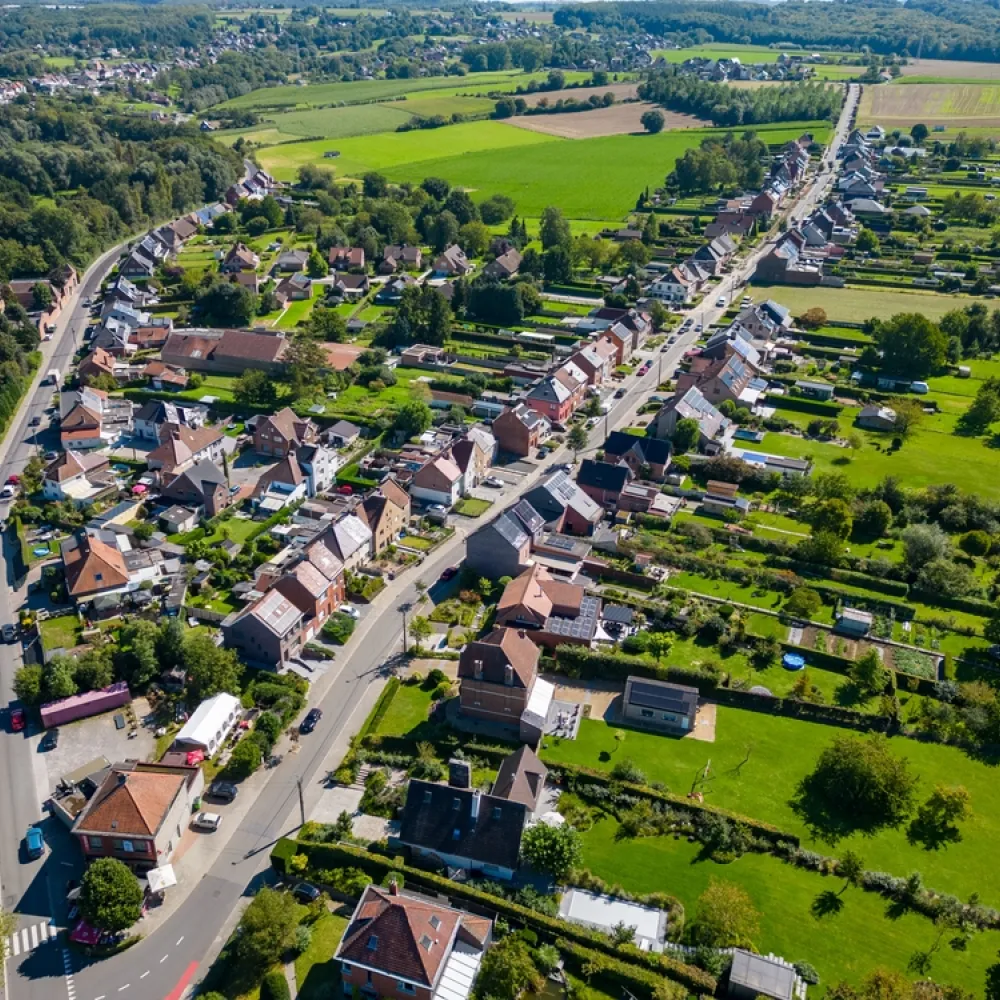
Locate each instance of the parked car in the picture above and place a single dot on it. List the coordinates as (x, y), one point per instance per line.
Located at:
(9, 632)
(8, 492)
(224, 791)
(306, 893)
(308, 724)
(207, 821)
(621, 393)
(543, 452)
(493, 482)
(51, 456)
(449, 573)
(34, 842)
(345, 490)
(35, 421)
(17, 720)
(349, 609)
(50, 740)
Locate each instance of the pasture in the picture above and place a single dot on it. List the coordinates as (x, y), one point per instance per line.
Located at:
(722, 50)
(619, 119)
(955, 104)
(857, 304)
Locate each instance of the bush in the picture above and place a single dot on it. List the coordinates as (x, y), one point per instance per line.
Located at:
(435, 678)
(628, 770)
(807, 973)
(244, 760)
(275, 985)
(339, 628)
(303, 938)
(441, 691)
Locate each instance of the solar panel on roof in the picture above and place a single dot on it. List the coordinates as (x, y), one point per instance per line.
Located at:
(667, 698)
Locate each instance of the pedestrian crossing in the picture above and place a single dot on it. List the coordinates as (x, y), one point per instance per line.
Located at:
(28, 938)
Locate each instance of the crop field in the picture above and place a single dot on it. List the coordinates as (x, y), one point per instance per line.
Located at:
(948, 69)
(855, 305)
(954, 104)
(619, 119)
(321, 94)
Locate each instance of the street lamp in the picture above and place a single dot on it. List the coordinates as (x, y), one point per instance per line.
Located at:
(403, 609)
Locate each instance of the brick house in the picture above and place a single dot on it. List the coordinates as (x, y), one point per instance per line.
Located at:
(313, 593)
(386, 512)
(203, 485)
(279, 434)
(439, 481)
(400, 945)
(642, 455)
(520, 429)
(497, 674)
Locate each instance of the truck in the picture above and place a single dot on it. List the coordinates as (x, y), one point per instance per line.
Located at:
(52, 376)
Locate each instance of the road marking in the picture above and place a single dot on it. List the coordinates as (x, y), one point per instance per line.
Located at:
(101, 997)
(181, 938)
(125, 987)
(53, 932)
(178, 991)
(146, 973)
(15, 941)
(162, 960)
(34, 936)
(68, 970)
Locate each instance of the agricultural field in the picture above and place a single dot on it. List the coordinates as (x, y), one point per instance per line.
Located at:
(946, 70)
(955, 104)
(855, 305)
(622, 92)
(330, 123)
(619, 119)
(721, 50)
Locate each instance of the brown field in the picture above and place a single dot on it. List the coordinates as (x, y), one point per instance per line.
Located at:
(531, 16)
(952, 69)
(953, 104)
(619, 119)
(622, 92)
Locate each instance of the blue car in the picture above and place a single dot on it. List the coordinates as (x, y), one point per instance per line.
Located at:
(34, 842)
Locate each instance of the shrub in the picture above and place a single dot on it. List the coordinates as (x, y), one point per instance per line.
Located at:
(275, 985)
(435, 678)
(807, 973)
(628, 770)
(441, 691)
(303, 938)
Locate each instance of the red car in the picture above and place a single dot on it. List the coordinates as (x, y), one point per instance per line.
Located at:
(17, 719)
(13, 480)
(449, 573)
(345, 490)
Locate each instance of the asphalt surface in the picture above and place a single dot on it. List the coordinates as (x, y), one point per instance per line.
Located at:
(177, 954)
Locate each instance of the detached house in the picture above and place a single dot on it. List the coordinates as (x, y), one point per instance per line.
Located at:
(520, 429)
(497, 674)
(200, 487)
(452, 263)
(239, 258)
(400, 258)
(82, 477)
(550, 612)
(503, 547)
(268, 633)
(279, 434)
(692, 405)
(347, 258)
(506, 265)
(648, 458)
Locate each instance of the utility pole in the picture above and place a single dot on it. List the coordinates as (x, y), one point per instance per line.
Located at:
(302, 803)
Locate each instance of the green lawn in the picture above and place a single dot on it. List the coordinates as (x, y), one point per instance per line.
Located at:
(472, 506)
(408, 710)
(841, 945)
(316, 973)
(295, 313)
(856, 304)
(330, 123)
(782, 751)
(60, 633)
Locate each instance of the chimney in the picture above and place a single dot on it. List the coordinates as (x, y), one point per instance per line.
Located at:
(393, 888)
(476, 797)
(508, 675)
(459, 773)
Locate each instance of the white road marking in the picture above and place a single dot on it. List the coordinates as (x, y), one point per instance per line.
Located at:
(24, 939)
(15, 941)
(34, 936)
(162, 960)
(125, 987)
(181, 938)
(146, 973)
(101, 997)
(53, 932)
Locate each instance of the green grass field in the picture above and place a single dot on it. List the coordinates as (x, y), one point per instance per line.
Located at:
(855, 305)
(782, 752)
(721, 50)
(410, 707)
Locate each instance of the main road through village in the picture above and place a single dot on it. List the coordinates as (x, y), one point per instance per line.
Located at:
(169, 962)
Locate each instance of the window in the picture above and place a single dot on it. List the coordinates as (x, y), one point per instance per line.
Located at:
(669, 717)
(127, 846)
(435, 922)
(406, 987)
(496, 812)
(428, 795)
(95, 842)
(456, 803)
(345, 968)
(456, 834)
(373, 943)
(646, 713)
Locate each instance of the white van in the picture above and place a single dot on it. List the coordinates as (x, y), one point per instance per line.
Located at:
(920, 388)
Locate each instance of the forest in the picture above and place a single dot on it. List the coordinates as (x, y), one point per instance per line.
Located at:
(952, 29)
(725, 105)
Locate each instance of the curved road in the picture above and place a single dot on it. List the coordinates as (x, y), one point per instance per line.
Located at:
(167, 964)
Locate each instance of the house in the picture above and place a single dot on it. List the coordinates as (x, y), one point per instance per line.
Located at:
(319, 464)
(692, 405)
(95, 566)
(239, 258)
(505, 265)
(823, 391)
(854, 622)
(92, 419)
(292, 261)
(315, 593)
(722, 500)
(268, 633)
(165, 377)
(351, 286)
(716, 254)
(139, 813)
(718, 379)
(473, 462)
(648, 458)
(402, 945)
(520, 429)
(98, 362)
(595, 364)
(137, 265)
(279, 434)
(423, 354)
(483, 436)
(210, 725)
(553, 399)
(667, 708)
(521, 778)
(396, 258)
(757, 976)
(296, 287)
(152, 417)
(349, 539)
(81, 477)
(201, 486)
(786, 263)
(564, 506)
(281, 485)
(347, 258)
(497, 674)
(877, 418)
(439, 481)
(386, 511)
(451, 263)
(503, 547)
(230, 353)
(677, 287)
(602, 481)
(178, 520)
(182, 446)
(391, 293)
(551, 612)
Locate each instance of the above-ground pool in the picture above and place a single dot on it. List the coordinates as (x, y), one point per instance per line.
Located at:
(792, 661)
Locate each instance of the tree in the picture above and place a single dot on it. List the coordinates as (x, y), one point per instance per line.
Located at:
(28, 684)
(553, 849)
(8, 924)
(266, 928)
(274, 986)
(874, 519)
(255, 388)
(210, 668)
(858, 784)
(474, 238)
(823, 547)
(660, 644)
(496, 209)
(557, 265)
(923, 543)
(420, 629)
(919, 133)
(326, 324)
(947, 579)
(507, 971)
(984, 410)
(937, 820)
(911, 345)
(170, 644)
(870, 674)
(577, 439)
(244, 760)
(726, 917)
(813, 319)
(136, 661)
(653, 121)
(687, 434)
(851, 868)
(554, 229)
(317, 266)
(413, 417)
(223, 303)
(803, 602)
(110, 896)
(305, 362)
(868, 241)
(833, 516)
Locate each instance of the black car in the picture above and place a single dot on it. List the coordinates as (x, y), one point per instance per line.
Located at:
(9, 632)
(35, 421)
(50, 740)
(308, 724)
(224, 791)
(305, 892)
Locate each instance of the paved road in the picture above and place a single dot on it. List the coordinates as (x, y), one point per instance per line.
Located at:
(177, 954)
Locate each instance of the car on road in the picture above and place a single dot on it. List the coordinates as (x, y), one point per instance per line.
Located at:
(720, 301)
(49, 741)
(17, 720)
(35, 421)
(9, 632)
(207, 821)
(449, 573)
(306, 893)
(493, 482)
(621, 393)
(309, 723)
(543, 452)
(223, 791)
(561, 467)
(349, 609)
(34, 842)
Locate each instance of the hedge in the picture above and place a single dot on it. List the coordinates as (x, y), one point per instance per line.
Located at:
(381, 707)
(275, 986)
(342, 855)
(970, 605)
(589, 663)
(815, 406)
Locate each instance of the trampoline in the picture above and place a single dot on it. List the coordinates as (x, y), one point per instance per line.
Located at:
(792, 661)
